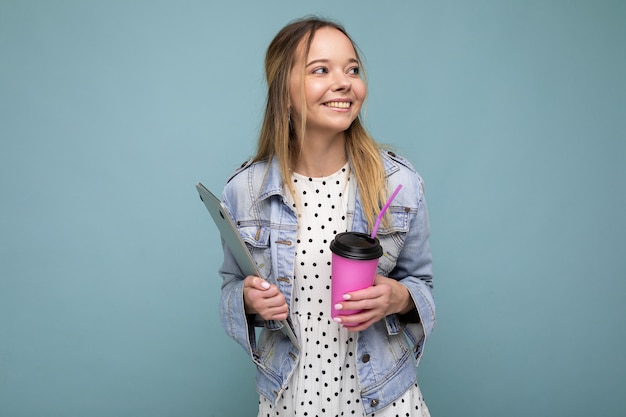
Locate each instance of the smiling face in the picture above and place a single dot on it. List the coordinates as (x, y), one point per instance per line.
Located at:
(333, 89)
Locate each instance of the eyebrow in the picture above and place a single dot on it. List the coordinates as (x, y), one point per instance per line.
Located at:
(325, 61)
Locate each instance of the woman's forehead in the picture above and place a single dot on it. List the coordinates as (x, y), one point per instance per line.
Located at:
(325, 42)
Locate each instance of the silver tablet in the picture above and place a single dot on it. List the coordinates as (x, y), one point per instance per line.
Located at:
(233, 240)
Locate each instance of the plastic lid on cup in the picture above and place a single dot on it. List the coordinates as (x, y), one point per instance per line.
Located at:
(356, 245)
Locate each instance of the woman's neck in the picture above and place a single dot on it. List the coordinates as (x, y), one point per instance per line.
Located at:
(321, 157)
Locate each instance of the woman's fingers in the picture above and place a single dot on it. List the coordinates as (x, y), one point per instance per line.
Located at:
(264, 299)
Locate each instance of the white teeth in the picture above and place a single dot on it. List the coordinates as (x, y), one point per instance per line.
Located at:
(339, 104)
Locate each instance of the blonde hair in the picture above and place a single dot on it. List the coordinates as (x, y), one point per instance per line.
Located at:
(278, 138)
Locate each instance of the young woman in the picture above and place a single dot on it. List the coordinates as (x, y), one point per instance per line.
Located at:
(317, 172)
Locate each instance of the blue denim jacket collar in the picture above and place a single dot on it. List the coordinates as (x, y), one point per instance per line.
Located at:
(272, 184)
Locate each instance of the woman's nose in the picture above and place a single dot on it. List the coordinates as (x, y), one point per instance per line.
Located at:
(341, 82)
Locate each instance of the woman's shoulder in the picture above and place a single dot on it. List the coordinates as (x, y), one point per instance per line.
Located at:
(394, 159)
(247, 169)
(246, 180)
(401, 171)
(239, 177)
(393, 162)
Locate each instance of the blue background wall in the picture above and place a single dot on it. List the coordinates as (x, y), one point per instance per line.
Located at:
(111, 111)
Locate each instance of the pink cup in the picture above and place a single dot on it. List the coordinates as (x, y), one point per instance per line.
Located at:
(354, 261)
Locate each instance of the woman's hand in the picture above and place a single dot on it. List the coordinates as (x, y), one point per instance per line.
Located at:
(387, 296)
(261, 298)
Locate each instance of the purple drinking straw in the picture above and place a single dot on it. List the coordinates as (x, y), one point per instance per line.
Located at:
(382, 212)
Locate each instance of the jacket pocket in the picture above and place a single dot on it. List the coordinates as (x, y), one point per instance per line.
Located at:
(392, 236)
(257, 238)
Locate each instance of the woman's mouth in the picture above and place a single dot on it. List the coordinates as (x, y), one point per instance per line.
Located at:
(338, 104)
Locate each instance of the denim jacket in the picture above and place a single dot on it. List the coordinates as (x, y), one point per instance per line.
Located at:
(388, 351)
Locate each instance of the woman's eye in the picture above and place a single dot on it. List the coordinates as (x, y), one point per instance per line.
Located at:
(320, 70)
(354, 71)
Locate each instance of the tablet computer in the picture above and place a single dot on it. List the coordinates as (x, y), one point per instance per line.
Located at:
(235, 243)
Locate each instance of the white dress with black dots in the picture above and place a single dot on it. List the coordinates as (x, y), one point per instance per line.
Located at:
(325, 381)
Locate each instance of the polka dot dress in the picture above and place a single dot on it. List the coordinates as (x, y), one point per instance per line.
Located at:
(325, 381)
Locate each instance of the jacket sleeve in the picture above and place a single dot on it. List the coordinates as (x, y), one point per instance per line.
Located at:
(235, 322)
